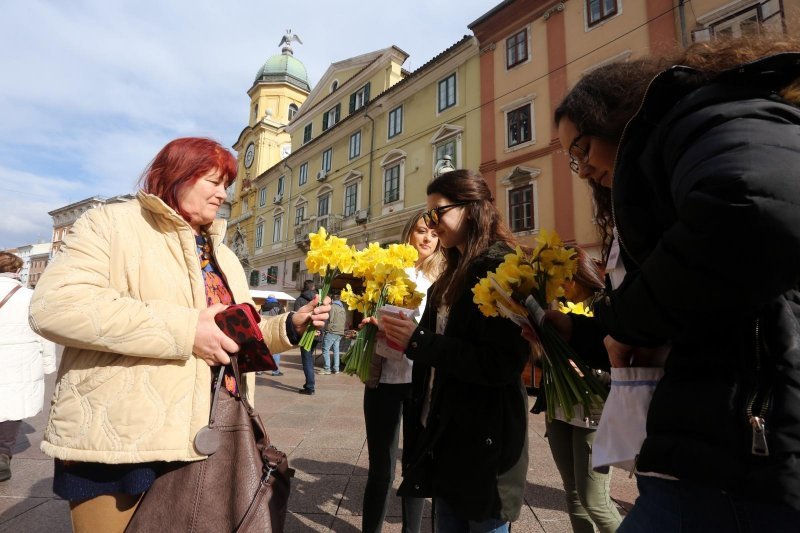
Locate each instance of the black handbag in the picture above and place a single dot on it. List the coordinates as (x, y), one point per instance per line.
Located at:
(243, 485)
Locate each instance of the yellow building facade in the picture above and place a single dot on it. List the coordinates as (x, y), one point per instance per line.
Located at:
(532, 52)
(364, 147)
(281, 86)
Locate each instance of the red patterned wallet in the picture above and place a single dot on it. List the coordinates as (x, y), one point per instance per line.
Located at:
(240, 323)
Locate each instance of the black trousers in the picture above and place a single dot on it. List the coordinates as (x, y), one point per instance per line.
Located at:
(383, 409)
(8, 435)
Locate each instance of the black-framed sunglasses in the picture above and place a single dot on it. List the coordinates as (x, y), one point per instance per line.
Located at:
(576, 160)
(432, 216)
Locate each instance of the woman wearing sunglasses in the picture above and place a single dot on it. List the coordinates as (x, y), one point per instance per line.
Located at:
(467, 443)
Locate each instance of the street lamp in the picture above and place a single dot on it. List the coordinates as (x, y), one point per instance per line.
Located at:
(443, 165)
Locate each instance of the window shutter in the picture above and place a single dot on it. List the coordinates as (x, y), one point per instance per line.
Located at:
(338, 113)
(324, 121)
(366, 92)
(352, 103)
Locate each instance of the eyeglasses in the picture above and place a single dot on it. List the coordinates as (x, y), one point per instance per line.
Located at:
(431, 218)
(577, 155)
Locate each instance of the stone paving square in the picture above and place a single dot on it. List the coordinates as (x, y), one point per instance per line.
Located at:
(324, 437)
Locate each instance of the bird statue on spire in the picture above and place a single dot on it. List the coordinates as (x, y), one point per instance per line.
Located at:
(287, 40)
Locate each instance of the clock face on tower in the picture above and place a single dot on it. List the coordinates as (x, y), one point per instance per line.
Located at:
(249, 155)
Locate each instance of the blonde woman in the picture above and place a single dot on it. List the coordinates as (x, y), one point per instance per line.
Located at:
(387, 391)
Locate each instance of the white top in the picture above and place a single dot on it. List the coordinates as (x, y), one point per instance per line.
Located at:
(399, 370)
(25, 357)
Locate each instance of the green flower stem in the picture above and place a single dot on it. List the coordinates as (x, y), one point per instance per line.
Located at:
(564, 386)
(307, 340)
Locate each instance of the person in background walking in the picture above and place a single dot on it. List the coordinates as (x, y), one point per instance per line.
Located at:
(307, 356)
(387, 392)
(332, 335)
(272, 307)
(24, 357)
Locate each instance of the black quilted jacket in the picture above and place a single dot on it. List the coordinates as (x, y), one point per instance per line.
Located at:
(707, 204)
(473, 453)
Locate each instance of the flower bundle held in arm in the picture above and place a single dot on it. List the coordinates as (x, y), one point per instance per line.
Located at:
(327, 256)
(385, 282)
(520, 289)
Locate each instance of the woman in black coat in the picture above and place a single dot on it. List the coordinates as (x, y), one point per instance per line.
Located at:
(468, 443)
(704, 158)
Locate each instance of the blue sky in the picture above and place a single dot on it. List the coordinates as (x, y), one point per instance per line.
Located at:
(92, 89)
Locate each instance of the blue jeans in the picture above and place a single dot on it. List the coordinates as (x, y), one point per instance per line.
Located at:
(448, 522)
(665, 506)
(331, 339)
(307, 358)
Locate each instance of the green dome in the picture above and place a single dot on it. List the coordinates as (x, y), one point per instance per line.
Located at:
(284, 68)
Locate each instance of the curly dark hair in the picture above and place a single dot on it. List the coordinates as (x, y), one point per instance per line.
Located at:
(605, 99)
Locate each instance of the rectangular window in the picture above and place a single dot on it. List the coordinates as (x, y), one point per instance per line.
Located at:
(323, 205)
(447, 92)
(520, 207)
(517, 48)
(307, 133)
(295, 270)
(327, 155)
(280, 184)
(395, 121)
(359, 98)
(391, 184)
(599, 10)
(272, 275)
(303, 173)
(276, 229)
(259, 234)
(331, 117)
(355, 145)
(519, 125)
(299, 215)
(262, 197)
(350, 199)
(447, 148)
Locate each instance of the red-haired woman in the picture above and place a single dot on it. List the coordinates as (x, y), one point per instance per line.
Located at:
(132, 297)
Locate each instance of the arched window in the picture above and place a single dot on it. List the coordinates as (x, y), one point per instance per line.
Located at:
(292, 111)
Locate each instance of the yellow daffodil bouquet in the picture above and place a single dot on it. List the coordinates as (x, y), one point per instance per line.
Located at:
(327, 256)
(385, 282)
(520, 289)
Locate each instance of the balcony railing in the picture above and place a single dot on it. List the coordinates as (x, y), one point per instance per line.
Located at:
(331, 223)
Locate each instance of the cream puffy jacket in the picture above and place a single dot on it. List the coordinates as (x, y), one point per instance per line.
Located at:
(124, 297)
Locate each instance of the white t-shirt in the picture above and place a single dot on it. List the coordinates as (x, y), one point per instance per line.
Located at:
(399, 370)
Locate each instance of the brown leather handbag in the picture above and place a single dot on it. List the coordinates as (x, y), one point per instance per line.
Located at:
(243, 485)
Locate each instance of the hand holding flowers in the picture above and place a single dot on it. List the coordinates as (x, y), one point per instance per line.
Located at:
(385, 282)
(521, 289)
(328, 256)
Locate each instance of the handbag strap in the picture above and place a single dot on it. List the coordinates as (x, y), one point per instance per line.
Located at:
(220, 378)
(10, 294)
